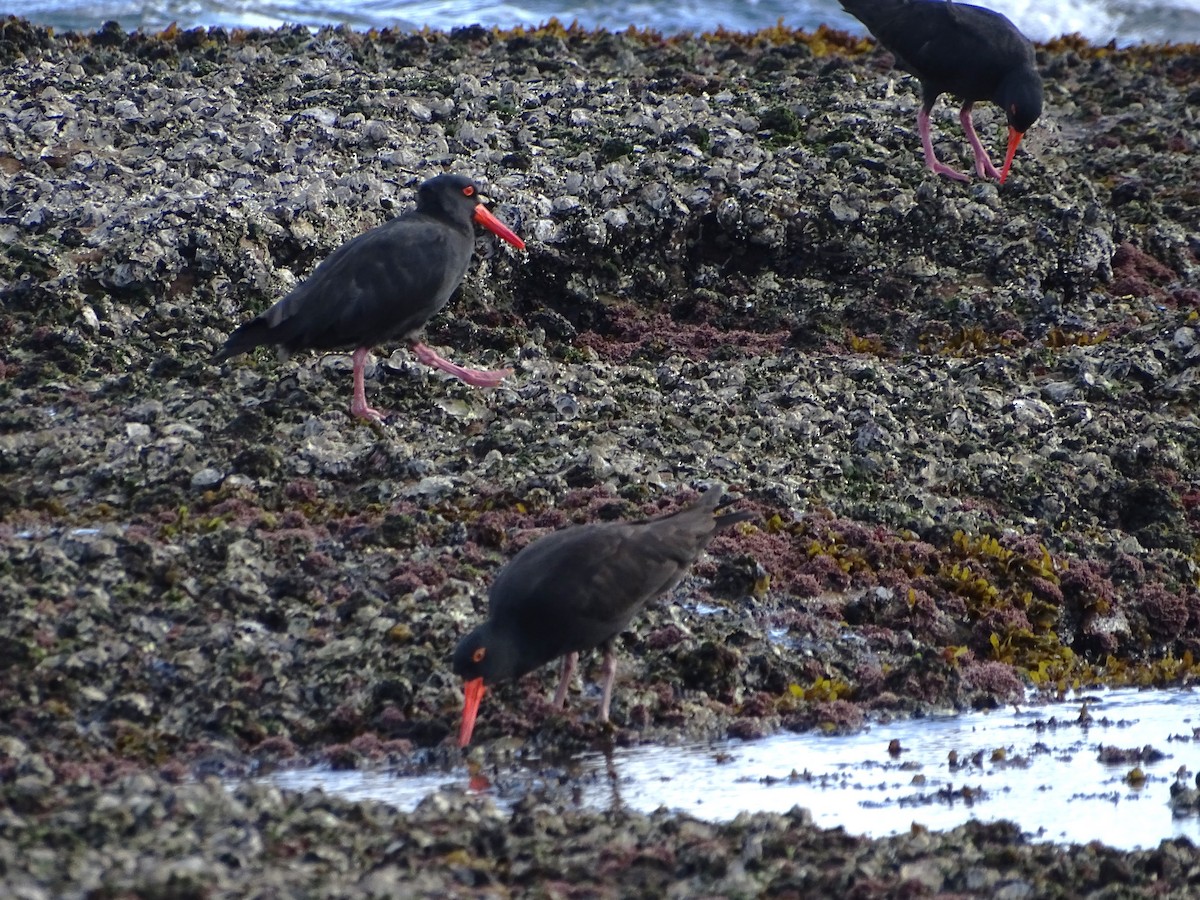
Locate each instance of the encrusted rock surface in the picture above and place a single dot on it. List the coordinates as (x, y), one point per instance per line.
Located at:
(965, 415)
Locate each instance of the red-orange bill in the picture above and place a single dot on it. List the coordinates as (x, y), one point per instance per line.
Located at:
(1014, 138)
(473, 692)
(496, 227)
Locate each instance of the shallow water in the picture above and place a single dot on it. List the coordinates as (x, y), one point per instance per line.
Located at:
(1036, 766)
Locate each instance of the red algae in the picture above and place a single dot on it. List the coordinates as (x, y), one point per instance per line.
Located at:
(995, 679)
(660, 335)
(1138, 274)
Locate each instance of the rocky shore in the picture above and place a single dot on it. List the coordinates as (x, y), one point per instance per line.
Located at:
(965, 416)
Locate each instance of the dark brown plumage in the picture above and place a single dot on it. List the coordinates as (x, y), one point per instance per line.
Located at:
(971, 52)
(576, 589)
(387, 283)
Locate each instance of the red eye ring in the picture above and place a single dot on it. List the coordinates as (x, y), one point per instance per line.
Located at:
(469, 190)
(480, 652)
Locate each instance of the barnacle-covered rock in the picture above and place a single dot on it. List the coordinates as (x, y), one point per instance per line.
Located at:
(963, 414)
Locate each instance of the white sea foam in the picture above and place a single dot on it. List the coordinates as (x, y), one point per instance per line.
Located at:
(1100, 21)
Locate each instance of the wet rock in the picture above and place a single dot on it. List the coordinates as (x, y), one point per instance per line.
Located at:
(207, 478)
(961, 412)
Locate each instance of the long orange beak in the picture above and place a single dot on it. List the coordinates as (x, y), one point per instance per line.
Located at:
(473, 692)
(498, 228)
(1014, 138)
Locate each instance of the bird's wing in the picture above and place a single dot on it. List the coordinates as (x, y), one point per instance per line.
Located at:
(592, 579)
(941, 42)
(388, 281)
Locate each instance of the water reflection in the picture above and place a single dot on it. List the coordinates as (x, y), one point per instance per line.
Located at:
(1038, 766)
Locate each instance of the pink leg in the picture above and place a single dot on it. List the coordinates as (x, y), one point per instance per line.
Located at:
(931, 160)
(565, 671)
(358, 406)
(475, 377)
(609, 669)
(983, 165)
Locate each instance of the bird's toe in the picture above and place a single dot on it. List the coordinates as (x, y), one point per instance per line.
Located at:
(484, 377)
(368, 413)
(943, 169)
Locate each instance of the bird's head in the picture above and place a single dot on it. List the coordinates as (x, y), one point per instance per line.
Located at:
(457, 198)
(481, 658)
(1020, 96)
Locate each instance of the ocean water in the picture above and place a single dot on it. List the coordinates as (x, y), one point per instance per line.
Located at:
(1101, 21)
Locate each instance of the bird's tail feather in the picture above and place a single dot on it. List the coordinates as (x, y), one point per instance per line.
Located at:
(245, 338)
(732, 518)
(715, 499)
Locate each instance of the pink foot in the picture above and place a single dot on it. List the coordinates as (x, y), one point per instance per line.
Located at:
(985, 169)
(940, 168)
(474, 377)
(358, 405)
(931, 160)
(609, 671)
(369, 413)
(565, 671)
(983, 165)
